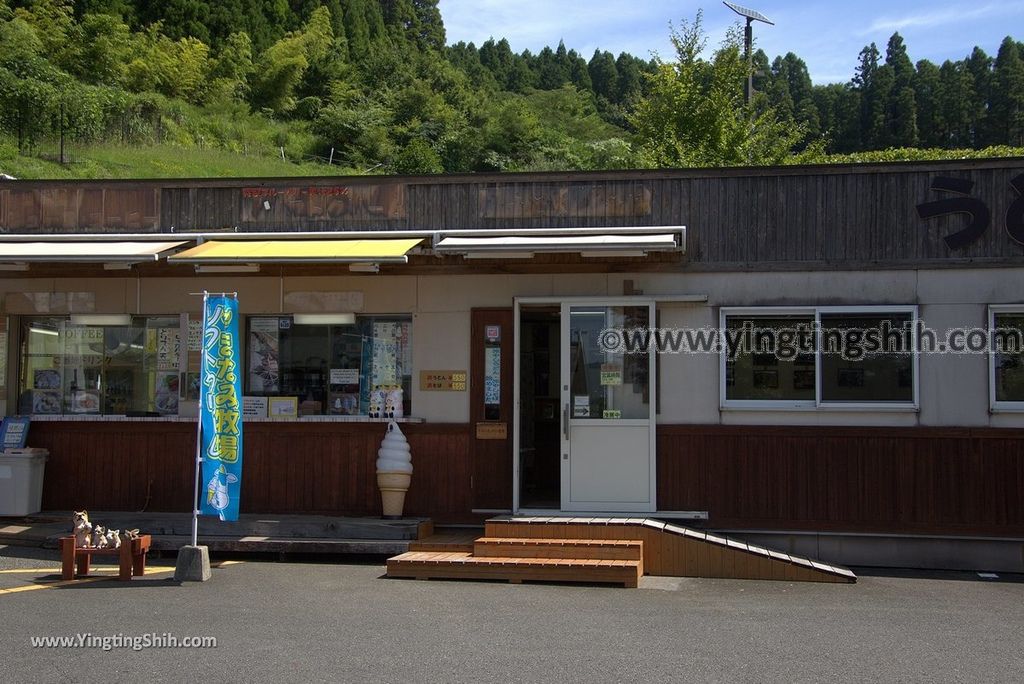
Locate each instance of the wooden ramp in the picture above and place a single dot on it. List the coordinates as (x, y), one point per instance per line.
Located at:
(601, 550)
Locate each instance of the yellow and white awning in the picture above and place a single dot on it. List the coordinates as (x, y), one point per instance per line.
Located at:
(86, 252)
(383, 250)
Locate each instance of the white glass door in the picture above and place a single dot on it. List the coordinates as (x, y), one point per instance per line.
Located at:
(608, 409)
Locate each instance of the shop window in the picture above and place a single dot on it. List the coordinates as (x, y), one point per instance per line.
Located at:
(1007, 358)
(825, 357)
(337, 368)
(129, 368)
(777, 363)
(867, 358)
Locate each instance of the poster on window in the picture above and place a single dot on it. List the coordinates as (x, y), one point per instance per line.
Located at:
(165, 399)
(264, 356)
(404, 349)
(492, 375)
(168, 348)
(385, 354)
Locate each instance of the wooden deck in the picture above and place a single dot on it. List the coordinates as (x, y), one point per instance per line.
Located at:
(461, 565)
(603, 550)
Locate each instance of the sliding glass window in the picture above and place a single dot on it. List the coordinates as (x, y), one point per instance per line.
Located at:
(129, 368)
(823, 357)
(1006, 359)
(332, 368)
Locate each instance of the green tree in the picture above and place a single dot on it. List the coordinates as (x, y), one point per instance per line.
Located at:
(52, 21)
(695, 114)
(604, 77)
(232, 68)
(1007, 105)
(467, 58)
(901, 105)
(979, 65)
(927, 97)
(280, 70)
(417, 157)
(99, 49)
(957, 104)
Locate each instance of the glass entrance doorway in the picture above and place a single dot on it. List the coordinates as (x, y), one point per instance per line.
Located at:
(540, 371)
(585, 412)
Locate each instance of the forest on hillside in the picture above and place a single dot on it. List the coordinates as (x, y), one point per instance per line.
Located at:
(373, 86)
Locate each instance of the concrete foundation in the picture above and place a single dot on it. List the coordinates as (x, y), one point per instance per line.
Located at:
(193, 564)
(978, 554)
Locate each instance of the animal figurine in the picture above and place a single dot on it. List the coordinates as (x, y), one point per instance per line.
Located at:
(99, 537)
(129, 535)
(113, 539)
(393, 403)
(82, 528)
(378, 396)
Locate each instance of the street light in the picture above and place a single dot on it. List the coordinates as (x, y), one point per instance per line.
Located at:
(748, 41)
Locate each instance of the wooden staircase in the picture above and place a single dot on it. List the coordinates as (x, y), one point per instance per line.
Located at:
(600, 550)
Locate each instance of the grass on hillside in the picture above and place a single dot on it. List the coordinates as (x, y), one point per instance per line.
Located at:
(155, 161)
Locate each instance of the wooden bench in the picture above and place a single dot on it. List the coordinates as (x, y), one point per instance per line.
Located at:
(131, 556)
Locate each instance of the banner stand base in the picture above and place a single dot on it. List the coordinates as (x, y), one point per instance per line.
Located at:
(193, 564)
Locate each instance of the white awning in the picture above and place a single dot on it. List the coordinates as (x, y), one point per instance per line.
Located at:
(85, 252)
(609, 242)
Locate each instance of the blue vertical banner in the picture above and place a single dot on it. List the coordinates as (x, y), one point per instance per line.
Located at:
(220, 409)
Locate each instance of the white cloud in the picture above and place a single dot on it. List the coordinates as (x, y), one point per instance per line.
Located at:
(941, 17)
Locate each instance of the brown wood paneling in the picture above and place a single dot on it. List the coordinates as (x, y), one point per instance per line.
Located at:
(897, 480)
(492, 458)
(859, 216)
(287, 467)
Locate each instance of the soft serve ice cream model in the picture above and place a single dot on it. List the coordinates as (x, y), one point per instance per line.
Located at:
(394, 470)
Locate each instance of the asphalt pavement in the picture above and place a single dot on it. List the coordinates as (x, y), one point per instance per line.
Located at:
(343, 622)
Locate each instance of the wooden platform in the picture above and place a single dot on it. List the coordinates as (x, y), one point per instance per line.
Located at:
(461, 565)
(604, 550)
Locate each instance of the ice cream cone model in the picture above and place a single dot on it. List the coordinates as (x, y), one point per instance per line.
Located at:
(394, 471)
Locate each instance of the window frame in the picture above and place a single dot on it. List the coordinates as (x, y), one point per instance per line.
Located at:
(995, 405)
(761, 404)
(409, 318)
(818, 404)
(17, 350)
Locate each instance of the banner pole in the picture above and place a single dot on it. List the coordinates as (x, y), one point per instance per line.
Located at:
(199, 436)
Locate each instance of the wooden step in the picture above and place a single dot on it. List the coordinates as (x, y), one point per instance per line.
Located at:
(461, 565)
(448, 541)
(676, 551)
(525, 547)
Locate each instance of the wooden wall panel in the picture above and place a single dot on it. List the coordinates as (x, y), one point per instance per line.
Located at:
(288, 467)
(492, 458)
(906, 480)
(861, 216)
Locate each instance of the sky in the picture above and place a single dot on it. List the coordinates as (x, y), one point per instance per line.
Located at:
(826, 35)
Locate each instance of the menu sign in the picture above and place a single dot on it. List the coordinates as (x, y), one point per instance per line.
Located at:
(443, 380)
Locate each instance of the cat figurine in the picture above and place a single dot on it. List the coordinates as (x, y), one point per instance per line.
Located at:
(82, 528)
(99, 537)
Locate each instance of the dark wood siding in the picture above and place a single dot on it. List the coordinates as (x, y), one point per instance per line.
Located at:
(794, 217)
(287, 467)
(897, 480)
(887, 480)
(492, 458)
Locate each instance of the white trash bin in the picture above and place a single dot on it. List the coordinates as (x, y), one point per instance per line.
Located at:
(21, 480)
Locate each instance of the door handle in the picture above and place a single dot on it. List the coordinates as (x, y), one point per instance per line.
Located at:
(565, 420)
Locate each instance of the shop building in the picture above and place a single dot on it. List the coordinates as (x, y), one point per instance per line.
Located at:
(487, 299)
